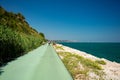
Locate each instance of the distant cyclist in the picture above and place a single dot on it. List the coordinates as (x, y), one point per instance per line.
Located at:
(49, 42)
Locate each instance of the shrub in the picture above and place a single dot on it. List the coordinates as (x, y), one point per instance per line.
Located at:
(14, 44)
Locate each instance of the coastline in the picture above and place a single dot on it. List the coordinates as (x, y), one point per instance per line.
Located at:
(111, 69)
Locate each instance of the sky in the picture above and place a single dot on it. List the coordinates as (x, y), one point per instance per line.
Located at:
(80, 20)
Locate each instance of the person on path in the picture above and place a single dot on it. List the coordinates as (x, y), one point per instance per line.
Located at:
(49, 42)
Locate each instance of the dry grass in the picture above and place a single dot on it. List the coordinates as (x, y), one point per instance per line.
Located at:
(79, 67)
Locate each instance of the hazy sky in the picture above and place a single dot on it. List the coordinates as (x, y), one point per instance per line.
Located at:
(82, 20)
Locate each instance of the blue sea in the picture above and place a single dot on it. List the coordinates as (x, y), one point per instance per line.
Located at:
(110, 51)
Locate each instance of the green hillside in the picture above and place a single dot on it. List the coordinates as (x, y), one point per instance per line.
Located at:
(16, 36)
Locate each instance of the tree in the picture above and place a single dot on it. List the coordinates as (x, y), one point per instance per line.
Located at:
(2, 11)
(41, 34)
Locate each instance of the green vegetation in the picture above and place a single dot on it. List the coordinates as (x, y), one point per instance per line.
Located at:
(78, 65)
(59, 47)
(16, 36)
(101, 62)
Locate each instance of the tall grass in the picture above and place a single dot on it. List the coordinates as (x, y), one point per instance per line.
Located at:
(14, 44)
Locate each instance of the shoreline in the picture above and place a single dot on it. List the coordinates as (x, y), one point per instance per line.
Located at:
(111, 69)
(106, 50)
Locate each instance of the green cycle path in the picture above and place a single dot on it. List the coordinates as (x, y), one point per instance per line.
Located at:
(42, 63)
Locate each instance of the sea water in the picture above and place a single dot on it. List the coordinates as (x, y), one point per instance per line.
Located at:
(110, 51)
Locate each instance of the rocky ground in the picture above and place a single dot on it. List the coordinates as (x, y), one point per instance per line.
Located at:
(110, 70)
